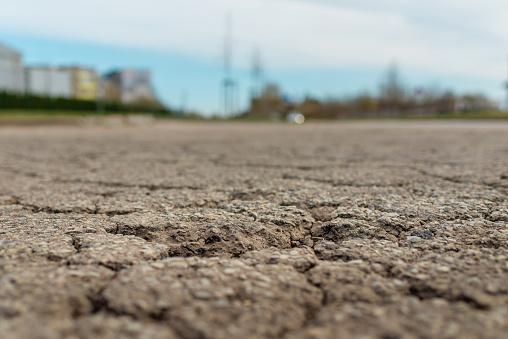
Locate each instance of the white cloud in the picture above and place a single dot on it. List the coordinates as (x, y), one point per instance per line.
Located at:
(443, 36)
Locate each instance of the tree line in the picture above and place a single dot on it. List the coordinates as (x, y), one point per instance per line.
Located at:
(394, 99)
(27, 101)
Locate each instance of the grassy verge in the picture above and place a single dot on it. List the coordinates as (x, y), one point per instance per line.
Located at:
(474, 115)
(44, 117)
(27, 118)
(20, 117)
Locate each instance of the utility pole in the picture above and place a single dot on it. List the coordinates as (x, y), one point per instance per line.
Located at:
(48, 81)
(506, 86)
(256, 73)
(257, 103)
(100, 95)
(184, 103)
(228, 83)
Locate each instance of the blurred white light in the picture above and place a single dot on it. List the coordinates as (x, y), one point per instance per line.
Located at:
(295, 118)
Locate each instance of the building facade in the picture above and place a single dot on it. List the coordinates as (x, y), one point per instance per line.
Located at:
(126, 86)
(49, 81)
(85, 82)
(129, 86)
(11, 70)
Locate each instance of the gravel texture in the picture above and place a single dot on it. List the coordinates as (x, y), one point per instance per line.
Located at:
(223, 230)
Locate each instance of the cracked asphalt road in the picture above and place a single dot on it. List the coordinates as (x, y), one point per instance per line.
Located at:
(216, 230)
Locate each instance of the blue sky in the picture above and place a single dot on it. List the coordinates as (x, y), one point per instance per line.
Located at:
(321, 48)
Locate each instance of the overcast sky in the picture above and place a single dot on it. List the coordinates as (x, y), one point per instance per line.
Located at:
(320, 47)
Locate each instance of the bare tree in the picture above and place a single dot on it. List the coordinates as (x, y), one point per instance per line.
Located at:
(392, 92)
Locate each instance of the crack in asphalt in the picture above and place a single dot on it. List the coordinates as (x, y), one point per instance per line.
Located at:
(151, 187)
(338, 183)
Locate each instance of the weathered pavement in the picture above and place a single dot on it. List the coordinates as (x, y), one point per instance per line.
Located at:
(191, 230)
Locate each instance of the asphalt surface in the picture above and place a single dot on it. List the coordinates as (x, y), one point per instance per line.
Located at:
(229, 230)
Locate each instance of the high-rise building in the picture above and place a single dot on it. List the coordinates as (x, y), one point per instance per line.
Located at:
(11, 70)
(129, 86)
(85, 82)
(67, 82)
(49, 81)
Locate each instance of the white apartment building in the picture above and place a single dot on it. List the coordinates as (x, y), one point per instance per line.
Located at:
(128, 86)
(49, 81)
(11, 70)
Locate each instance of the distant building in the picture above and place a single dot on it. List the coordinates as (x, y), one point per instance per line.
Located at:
(49, 81)
(11, 70)
(85, 82)
(129, 86)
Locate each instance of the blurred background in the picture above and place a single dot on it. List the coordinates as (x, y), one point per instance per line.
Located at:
(258, 59)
